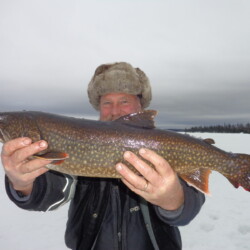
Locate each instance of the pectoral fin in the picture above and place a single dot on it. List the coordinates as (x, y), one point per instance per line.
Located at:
(56, 157)
(198, 179)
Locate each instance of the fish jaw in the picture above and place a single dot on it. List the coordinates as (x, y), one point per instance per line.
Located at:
(18, 124)
(3, 135)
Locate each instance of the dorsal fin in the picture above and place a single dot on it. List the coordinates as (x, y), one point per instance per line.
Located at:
(143, 119)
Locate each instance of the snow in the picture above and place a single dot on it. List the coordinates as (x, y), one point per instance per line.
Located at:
(223, 223)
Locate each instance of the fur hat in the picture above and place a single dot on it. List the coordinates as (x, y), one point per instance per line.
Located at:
(119, 78)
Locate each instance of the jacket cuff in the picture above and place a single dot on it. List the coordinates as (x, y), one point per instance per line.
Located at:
(27, 202)
(15, 194)
(193, 201)
(170, 215)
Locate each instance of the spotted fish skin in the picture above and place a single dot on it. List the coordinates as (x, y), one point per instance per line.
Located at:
(92, 148)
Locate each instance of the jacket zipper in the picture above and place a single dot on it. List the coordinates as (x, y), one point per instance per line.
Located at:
(119, 218)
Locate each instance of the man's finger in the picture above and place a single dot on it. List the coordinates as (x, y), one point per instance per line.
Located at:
(26, 152)
(143, 168)
(161, 165)
(135, 180)
(11, 146)
(38, 172)
(33, 165)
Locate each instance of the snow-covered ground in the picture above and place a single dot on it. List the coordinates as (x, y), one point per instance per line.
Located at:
(223, 223)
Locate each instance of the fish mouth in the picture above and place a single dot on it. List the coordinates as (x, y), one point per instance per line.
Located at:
(1, 131)
(1, 135)
(4, 135)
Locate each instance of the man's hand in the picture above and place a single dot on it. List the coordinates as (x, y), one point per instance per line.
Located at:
(21, 171)
(159, 186)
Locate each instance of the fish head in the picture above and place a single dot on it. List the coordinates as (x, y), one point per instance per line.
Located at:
(16, 124)
(10, 126)
(2, 126)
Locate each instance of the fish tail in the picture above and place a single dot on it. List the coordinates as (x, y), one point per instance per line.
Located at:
(241, 172)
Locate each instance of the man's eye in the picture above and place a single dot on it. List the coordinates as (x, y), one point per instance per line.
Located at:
(124, 101)
(106, 103)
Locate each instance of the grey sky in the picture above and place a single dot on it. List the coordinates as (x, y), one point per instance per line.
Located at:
(196, 54)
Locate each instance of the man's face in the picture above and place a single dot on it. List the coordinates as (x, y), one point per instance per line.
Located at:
(115, 105)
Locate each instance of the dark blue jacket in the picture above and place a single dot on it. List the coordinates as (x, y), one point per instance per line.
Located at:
(105, 215)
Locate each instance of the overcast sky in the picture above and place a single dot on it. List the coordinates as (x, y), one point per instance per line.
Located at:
(196, 54)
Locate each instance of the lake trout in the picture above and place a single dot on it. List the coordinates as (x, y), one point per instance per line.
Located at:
(91, 148)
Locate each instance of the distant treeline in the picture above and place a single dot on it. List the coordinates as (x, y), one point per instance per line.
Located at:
(226, 128)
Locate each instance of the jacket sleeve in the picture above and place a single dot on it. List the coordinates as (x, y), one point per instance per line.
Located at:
(50, 191)
(193, 201)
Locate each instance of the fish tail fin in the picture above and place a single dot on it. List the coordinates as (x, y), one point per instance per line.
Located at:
(241, 173)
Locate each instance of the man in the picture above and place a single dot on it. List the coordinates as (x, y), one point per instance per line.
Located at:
(139, 212)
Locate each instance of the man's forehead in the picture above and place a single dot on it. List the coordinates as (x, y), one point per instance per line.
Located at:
(117, 96)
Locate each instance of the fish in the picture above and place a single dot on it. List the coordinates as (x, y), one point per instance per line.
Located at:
(90, 148)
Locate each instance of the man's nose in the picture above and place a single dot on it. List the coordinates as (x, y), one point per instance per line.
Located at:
(115, 109)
